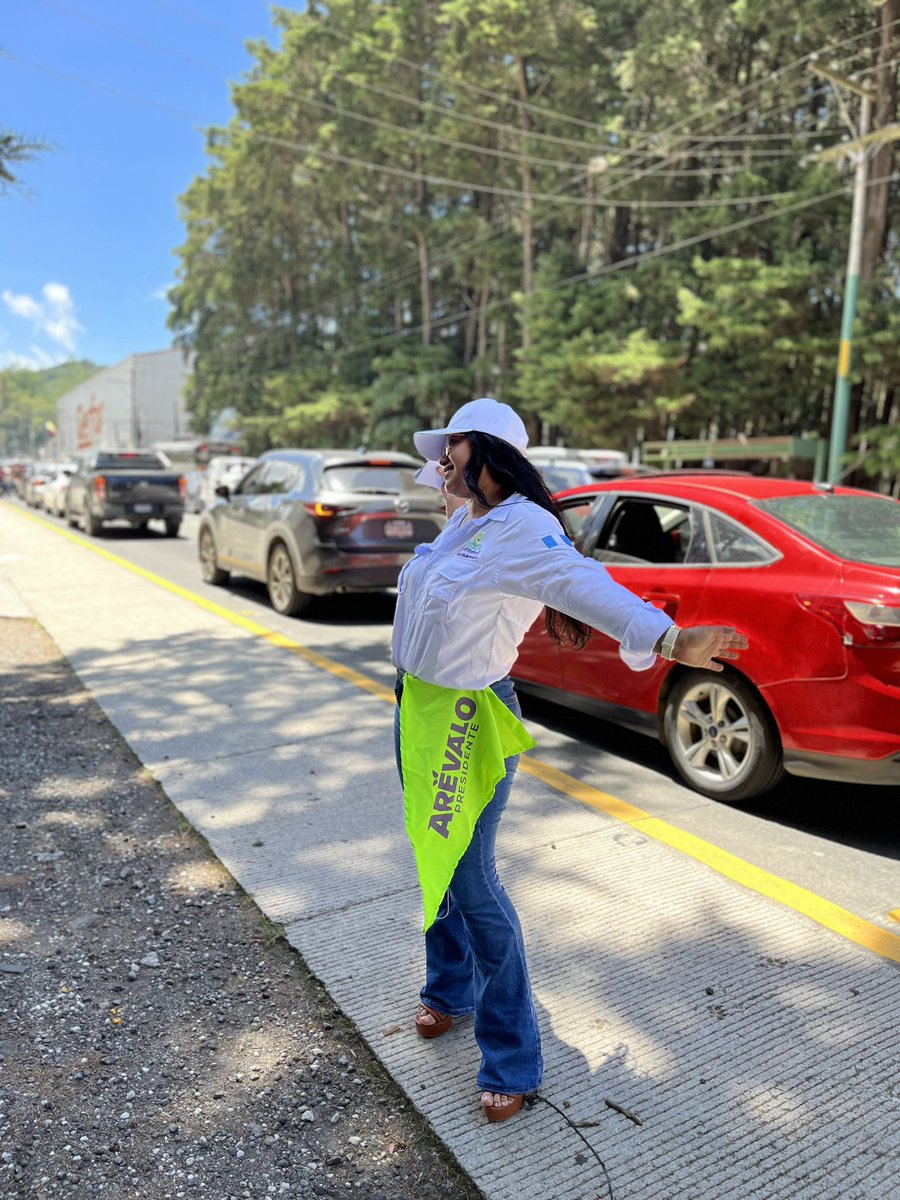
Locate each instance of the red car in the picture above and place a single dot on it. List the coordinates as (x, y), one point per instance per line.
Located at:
(809, 572)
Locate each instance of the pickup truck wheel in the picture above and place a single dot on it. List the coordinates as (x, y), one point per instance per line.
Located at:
(92, 524)
(286, 598)
(172, 526)
(721, 736)
(71, 519)
(209, 567)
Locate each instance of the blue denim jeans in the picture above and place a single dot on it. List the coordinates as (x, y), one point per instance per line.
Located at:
(474, 952)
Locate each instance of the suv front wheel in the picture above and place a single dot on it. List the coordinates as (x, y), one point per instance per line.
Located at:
(286, 598)
(209, 563)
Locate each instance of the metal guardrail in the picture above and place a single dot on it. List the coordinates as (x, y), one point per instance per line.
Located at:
(729, 449)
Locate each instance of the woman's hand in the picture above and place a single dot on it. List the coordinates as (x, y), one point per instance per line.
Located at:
(701, 645)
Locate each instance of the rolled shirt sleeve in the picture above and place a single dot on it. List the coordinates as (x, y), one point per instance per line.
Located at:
(543, 565)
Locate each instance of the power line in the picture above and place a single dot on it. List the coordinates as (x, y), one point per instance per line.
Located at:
(619, 148)
(455, 84)
(412, 132)
(610, 268)
(422, 104)
(659, 135)
(415, 135)
(469, 248)
(399, 172)
(800, 62)
(506, 128)
(469, 185)
(572, 280)
(673, 156)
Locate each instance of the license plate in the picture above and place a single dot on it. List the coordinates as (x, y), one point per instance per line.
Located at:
(399, 529)
(143, 508)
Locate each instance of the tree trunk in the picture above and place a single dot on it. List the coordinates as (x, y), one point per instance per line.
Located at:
(586, 231)
(885, 81)
(424, 286)
(470, 327)
(481, 348)
(617, 241)
(527, 202)
(424, 260)
(346, 228)
(483, 296)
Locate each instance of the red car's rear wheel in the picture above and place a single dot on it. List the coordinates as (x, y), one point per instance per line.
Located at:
(721, 736)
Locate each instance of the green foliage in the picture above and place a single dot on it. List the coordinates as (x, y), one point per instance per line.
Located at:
(876, 454)
(15, 151)
(372, 242)
(414, 387)
(28, 400)
(305, 408)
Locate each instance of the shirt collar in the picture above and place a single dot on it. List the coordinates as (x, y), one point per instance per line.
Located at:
(503, 509)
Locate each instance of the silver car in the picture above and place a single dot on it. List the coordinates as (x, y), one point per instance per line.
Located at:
(226, 469)
(311, 523)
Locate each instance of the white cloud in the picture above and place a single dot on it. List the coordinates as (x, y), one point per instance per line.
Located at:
(22, 306)
(55, 317)
(162, 293)
(35, 360)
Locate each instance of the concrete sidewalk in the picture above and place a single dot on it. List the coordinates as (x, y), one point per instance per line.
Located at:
(756, 1049)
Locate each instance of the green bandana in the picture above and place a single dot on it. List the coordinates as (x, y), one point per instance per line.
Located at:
(452, 748)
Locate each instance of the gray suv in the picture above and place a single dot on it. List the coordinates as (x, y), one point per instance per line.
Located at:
(313, 522)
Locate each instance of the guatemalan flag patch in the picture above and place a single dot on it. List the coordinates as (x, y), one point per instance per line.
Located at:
(551, 541)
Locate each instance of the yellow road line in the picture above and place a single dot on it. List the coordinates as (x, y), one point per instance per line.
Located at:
(820, 910)
(831, 916)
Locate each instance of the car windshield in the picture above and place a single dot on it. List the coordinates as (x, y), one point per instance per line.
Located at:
(235, 470)
(131, 460)
(369, 477)
(557, 476)
(859, 528)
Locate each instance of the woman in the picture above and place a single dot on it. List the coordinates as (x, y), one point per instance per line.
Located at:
(465, 602)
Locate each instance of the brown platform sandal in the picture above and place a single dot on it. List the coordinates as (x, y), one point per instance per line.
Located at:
(439, 1024)
(502, 1112)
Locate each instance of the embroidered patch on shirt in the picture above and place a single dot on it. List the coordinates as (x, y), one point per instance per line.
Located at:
(472, 548)
(552, 542)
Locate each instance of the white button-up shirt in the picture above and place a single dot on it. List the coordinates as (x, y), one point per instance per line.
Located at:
(467, 599)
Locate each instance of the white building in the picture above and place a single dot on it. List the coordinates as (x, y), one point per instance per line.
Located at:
(137, 402)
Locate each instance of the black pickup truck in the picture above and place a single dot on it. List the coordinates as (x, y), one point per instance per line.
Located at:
(137, 486)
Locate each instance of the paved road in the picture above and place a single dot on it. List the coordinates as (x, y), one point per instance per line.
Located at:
(710, 1042)
(839, 841)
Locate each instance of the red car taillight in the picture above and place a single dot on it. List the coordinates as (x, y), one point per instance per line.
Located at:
(322, 514)
(859, 622)
(100, 487)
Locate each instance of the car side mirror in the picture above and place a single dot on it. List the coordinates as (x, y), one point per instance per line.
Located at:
(223, 490)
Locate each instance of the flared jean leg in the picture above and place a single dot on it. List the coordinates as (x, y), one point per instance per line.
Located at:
(475, 954)
(506, 1027)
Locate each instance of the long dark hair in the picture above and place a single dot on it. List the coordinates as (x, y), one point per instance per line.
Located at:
(513, 472)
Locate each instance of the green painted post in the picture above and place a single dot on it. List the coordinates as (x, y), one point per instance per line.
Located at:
(840, 413)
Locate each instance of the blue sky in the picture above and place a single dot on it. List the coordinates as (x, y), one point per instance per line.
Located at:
(87, 252)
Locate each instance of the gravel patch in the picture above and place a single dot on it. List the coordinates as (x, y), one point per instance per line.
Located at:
(158, 1037)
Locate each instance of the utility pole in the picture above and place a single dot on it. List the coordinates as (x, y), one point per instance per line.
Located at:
(840, 413)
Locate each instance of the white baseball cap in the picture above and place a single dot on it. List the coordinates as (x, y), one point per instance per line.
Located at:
(478, 416)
